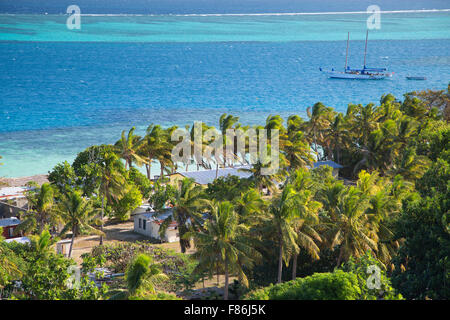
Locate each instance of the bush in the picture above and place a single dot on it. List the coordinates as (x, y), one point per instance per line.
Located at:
(141, 181)
(178, 267)
(360, 268)
(337, 285)
(123, 207)
(157, 296)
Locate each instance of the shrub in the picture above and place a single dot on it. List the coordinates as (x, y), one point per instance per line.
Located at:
(178, 267)
(338, 285)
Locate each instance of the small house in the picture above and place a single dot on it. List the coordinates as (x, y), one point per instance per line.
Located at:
(148, 225)
(8, 225)
(63, 247)
(330, 163)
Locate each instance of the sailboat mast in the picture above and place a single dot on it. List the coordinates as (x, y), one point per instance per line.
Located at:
(365, 50)
(346, 52)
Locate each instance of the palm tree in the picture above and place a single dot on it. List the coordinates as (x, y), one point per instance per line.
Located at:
(126, 147)
(142, 275)
(306, 219)
(283, 214)
(188, 203)
(350, 228)
(319, 119)
(375, 153)
(165, 158)
(155, 145)
(337, 137)
(78, 215)
(250, 207)
(8, 268)
(306, 216)
(365, 120)
(227, 122)
(111, 182)
(261, 179)
(223, 238)
(297, 151)
(42, 243)
(41, 211)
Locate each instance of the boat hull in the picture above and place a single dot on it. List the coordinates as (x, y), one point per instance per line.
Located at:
(416, 78)
(357, 76)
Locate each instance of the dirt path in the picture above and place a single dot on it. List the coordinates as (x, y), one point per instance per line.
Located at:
(119, 232)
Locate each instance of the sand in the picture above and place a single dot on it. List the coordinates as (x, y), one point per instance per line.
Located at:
(22, 181)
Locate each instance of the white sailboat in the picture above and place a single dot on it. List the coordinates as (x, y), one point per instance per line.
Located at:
(361, 74)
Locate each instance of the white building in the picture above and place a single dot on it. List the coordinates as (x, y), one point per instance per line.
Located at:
(148, 225)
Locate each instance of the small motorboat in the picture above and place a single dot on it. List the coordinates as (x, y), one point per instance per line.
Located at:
(416, 78)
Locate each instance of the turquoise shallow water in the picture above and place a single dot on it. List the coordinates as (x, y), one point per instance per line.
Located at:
(207, 28)
(62, 90)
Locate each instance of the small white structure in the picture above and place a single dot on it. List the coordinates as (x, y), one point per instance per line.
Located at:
(63, 247)
(148, 225)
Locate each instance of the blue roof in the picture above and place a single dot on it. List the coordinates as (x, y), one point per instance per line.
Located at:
(330, 163)
(13, 221)
(208, 176)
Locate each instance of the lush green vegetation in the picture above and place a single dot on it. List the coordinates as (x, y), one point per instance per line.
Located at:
(337, 285)
(388, 208)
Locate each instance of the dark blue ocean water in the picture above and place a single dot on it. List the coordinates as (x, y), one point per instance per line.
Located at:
(58, 98)
(212, 6)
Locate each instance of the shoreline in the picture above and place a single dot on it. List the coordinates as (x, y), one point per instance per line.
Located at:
(22, 181)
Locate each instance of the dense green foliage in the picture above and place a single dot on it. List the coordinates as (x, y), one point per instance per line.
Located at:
(178, 267)
(387, 208)
(422, 264)
(338, 285)
(46, 275)
(348, 283)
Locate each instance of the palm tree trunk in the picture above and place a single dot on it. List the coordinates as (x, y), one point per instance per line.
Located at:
(217, 170)
(71, 242)
(341, 252)
(294, 266)
(162, 171)
(280, 260)
(148, 173)
(315, 143)
(218, 276)
(225, 292)
(101, 220)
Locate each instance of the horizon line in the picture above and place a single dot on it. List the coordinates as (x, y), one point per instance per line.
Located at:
(241, 14)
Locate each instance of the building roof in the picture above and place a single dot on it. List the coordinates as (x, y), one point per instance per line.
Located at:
(208, 176)
(22, 240)
(143, 209)
(13, 192)
(330, 163)
(159, 218)
(8, 222)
